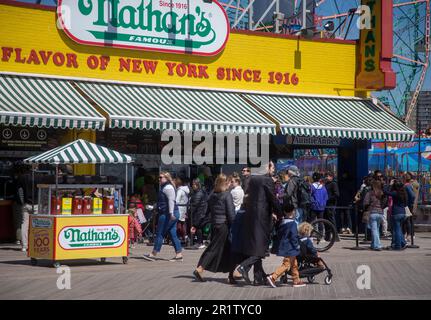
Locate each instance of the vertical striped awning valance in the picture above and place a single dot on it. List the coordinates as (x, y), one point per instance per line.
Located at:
(332, 117)
(40, 102)
(157, 108)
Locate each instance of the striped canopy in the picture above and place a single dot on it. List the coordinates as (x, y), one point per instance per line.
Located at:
(38, 102)
(80, 151)
(157, 108)
(332, 117)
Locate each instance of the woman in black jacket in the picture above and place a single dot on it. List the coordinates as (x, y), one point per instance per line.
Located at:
(216, 258)
(198, 212)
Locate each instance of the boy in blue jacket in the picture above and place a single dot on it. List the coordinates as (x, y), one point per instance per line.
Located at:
(288, 248)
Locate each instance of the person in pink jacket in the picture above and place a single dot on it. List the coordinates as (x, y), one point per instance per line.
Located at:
(135, 229)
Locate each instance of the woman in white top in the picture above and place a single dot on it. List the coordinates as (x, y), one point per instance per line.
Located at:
(237, 193)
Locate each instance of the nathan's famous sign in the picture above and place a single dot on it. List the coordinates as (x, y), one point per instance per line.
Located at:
(32, 43)
(178, 26)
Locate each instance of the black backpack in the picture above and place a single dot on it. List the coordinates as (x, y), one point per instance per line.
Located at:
(304, 194)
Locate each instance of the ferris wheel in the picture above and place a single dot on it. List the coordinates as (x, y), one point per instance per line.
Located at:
(411, 37)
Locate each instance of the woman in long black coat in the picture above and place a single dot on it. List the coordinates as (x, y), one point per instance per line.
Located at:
(217, 257)
(260, 204)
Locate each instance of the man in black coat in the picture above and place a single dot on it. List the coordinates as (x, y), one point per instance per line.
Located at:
(260, 204)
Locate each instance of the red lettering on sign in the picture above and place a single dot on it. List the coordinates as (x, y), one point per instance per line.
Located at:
(6, 53)
(72, 60)
(150, 66)
(45, 55)
(171, 67)
(203, 72)
(58, 59)
(247, 75)
(18, 56)
(124, 64)
(33, 58)
(92, 62)
(257, 76)
(181, 70)
(136, 66)
(192, 71)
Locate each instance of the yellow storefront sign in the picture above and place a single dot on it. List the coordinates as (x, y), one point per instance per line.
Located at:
(31, 43)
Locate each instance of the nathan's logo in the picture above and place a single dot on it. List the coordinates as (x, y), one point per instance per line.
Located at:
(177, 26)
(91, 237)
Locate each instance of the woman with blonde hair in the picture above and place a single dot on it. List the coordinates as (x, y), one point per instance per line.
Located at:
(216, 257)
(168, 218)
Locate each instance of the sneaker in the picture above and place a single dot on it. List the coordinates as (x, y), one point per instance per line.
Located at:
(149, 257)
(179, 259)
(299, 284)
(271, 281)
(348, 231)
(202, 246)
(24, 249)
(343, 230)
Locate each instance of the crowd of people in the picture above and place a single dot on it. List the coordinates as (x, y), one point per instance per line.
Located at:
(244, 210)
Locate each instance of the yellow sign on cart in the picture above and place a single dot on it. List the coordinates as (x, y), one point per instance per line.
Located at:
(78, 237)
(91, 237)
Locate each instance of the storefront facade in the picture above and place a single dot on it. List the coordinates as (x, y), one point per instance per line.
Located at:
(55, 77)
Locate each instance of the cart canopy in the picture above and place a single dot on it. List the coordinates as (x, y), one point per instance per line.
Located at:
(80, 151)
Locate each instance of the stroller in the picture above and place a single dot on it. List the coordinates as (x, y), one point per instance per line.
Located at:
(307, 267)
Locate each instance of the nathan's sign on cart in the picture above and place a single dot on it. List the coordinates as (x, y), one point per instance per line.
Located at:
(178, 26)
(91, 237)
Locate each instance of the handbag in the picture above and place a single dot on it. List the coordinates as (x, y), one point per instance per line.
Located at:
(408, 212)
(366, 217)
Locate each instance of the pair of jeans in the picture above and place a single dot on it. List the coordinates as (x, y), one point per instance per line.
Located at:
(398, 241)
(256, 262)
(166, 225)
(375, 221)
(299, 215)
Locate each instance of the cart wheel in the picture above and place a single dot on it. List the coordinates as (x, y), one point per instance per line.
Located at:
(33, 261)
(328, 280)
(125, 260)
(56, 264)
(103, 260)
(310, 279)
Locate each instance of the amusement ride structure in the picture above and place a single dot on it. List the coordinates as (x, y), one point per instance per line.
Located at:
(337, 19)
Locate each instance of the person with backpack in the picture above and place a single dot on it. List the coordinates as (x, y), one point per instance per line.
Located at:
(319, 197)
(298, 194)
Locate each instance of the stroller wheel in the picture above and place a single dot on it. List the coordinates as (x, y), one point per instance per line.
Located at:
(310, 279)
(328, 280)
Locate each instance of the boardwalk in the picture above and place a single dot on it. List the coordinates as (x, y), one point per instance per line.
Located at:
(394, 275)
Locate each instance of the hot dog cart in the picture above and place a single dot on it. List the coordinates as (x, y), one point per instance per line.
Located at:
(79, 221)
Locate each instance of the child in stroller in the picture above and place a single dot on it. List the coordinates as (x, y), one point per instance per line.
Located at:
(309, 262)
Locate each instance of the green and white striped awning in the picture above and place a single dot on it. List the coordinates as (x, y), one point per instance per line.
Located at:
(332, 117)
(158, 108)
(39, 102)
(80, 151)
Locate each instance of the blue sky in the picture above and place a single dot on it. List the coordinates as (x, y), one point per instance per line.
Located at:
(328, 8)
